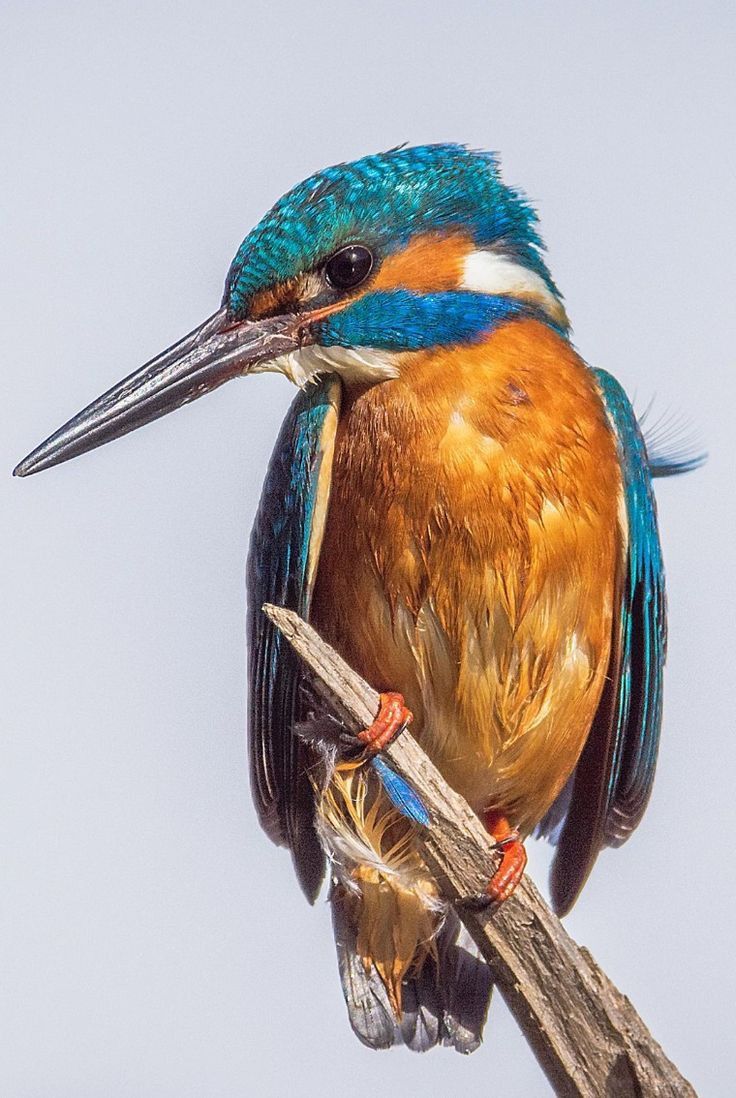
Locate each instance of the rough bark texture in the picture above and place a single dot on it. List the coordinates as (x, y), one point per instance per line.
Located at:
(586, 1035)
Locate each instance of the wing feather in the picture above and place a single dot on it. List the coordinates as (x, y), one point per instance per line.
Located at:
(613, 779)
(284, 549)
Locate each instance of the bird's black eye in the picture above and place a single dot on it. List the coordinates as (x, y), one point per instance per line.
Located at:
(349, 267)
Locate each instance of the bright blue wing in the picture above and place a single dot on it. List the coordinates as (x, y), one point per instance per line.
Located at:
(614, 777)
(284, 548)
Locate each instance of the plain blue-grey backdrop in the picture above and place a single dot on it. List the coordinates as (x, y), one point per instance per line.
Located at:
(153, 942)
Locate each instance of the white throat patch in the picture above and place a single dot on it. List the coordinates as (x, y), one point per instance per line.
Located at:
(353, 364)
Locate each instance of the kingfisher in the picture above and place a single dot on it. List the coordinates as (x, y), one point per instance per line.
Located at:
(464, 509)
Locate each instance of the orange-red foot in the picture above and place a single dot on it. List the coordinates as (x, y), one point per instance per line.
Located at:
(513, 857)
(393, 716)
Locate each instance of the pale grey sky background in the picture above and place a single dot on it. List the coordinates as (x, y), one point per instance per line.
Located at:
(152, 941)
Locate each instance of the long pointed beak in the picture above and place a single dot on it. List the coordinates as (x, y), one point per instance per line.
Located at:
(209, 356)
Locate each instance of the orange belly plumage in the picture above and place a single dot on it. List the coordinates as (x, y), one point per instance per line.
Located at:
(469, 559)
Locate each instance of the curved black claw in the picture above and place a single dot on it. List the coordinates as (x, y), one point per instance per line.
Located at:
(478, 901)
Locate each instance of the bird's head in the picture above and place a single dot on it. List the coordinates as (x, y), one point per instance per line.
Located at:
(353, 269)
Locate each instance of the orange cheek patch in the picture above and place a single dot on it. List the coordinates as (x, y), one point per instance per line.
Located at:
(275, 299)
(431, 262)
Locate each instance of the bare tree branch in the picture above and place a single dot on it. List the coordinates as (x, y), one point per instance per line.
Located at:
(586, 1035)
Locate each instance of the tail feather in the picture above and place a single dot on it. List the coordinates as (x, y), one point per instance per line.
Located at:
(444, 1003)
(466, 979)
(367, 1001)
(421, 1005)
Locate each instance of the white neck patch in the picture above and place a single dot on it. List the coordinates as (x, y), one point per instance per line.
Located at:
(487, 272)
(359, 365)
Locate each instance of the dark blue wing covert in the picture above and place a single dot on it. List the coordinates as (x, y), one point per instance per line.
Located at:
(613, 780)
(282, 548)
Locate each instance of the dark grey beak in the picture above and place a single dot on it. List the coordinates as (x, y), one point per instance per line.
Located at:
(210, 355)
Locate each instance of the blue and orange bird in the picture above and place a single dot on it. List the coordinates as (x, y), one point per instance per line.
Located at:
(464, 509)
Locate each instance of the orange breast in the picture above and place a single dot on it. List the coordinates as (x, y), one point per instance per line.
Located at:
(470, 555)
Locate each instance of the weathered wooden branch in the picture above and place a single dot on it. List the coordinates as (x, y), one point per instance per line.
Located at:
(586, 1035)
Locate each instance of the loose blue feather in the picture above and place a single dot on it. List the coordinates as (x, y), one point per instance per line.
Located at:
(400, 793)
(672, 445)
